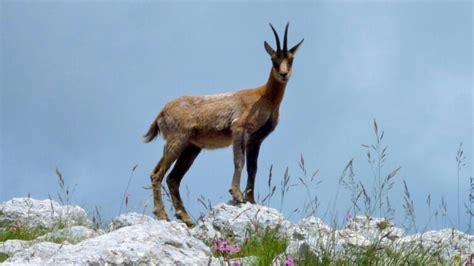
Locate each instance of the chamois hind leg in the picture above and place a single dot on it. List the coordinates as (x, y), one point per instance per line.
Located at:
(171, 151)
(238, 144)
(252, 151)
(173, 180)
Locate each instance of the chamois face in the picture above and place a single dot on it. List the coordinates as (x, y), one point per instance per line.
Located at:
(282, 65)
(282, 59)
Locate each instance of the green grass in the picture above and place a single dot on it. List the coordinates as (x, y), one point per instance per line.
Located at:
(412, 255)
(21, 233)
(264, 245)
(3, 257)
(308, 258)
(269, 244)
(371, 255)
(60, 239)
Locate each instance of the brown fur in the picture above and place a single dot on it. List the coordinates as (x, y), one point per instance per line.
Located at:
(243, 118)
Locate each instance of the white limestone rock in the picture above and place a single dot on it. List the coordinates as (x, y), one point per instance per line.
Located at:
(449, 242)
(155, 243)
(13, 246)
(375, 229)
(310, 226)
(219, 261)
(227, 221)
(347, 237)
(69, 235)
(128, 219)
(311, 234)
(35, 254)
(140, 239)
(48, 214)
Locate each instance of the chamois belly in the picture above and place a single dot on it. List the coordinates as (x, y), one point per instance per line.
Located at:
(213, 139)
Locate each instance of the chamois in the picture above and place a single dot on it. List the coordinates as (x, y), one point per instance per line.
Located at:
(243, 118)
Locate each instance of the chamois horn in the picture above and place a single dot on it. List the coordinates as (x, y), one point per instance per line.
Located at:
(285, 39)
(276, 38)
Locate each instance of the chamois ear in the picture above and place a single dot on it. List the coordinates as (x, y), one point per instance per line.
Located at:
(269, 49)
(295, 48)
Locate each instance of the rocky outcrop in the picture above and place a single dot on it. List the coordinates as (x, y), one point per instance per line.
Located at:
(309, 235)
(375, 229)
(128, 219)
(449, 243)
(236, 221)
(159, 242)
(10, 247)
(68, 235)
(312, 235)
(35, 254)
(134, 238)
(47, 214)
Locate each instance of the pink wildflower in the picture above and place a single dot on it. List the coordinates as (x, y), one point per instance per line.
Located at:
(289, 261)
(469, 261)
(221, 245)
(224, 246)
(233, 249)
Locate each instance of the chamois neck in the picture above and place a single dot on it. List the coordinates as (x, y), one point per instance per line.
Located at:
(274, 89)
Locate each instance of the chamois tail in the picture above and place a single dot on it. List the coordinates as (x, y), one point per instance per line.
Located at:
(152, 132)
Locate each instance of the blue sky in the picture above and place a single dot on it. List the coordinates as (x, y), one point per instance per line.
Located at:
(81, 82)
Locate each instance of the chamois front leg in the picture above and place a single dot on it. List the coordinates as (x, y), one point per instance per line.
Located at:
(252, 151)
(238, 145)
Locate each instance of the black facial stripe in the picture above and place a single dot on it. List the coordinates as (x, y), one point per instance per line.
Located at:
(276, 65)
(278, 59)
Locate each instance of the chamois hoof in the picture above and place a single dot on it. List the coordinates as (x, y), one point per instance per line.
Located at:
(185, 219)
(249, 197)
(161, 215)
(189, 224)
(237, 202)
(250, 200)
(237, 196)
